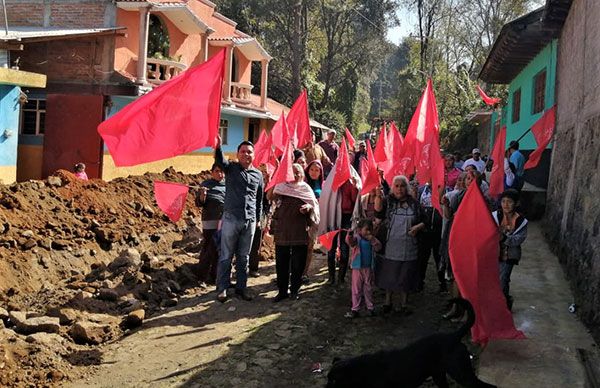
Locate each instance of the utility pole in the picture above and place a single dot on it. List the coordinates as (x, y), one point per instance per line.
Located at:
(5, 17)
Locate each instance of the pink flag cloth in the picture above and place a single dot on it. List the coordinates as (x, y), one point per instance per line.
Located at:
(488, 100)
(475, 267)
(262, 149)
(280, 134)
(383, 151)
(543, 130)
(350, 139)
(396, 136)
(497, 176)
(284, 172)
(298, 120)
(369, 174)
(170, 198)
(342, 167)
(327, 239)
(180, 116)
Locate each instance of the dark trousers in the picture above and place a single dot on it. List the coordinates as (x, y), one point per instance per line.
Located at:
(429, 242)
(254, 258)
(340, 240)
(209, 257)
(290, 258)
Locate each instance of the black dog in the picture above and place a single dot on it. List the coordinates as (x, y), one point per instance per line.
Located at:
(433, 356)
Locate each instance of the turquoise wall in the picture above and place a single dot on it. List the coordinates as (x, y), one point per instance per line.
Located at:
(546, 59)
(235, 132)
(9, 120)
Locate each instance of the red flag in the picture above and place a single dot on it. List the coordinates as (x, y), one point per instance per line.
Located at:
(284, 172)
(298, 120)
(383, 150)
(280, 134)
(369, 173)
(327, 239)
(396, 137)
(497, 177)
(342, 168)
(262, 149)
(170, 198)
(475, 266)
(271, 163)
(488, 100)
(180, 116)
(350, 139)
(543, 129)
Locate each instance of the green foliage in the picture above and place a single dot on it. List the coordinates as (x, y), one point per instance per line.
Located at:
(331, 118)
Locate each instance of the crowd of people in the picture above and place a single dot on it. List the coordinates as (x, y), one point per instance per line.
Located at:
(386, 237)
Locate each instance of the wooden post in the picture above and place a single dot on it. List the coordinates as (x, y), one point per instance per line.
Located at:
(228, 65)
(264, 83)
(142, 67)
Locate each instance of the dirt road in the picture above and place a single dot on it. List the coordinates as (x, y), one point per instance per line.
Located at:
(202, 342)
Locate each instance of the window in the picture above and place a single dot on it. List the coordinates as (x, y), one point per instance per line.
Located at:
(539, 92)
(516, 106)
(33, 117)
(223, 125)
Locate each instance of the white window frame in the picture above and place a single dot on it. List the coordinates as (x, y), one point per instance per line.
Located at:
(223, 130)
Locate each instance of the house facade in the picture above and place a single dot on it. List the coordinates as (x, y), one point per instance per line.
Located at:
(101, 55)
(524, 56)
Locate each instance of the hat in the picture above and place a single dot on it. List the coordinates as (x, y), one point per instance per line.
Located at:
(331, 131)
(362, 143)
(476, 151)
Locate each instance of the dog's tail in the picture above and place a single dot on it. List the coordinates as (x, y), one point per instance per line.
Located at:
(466, 305)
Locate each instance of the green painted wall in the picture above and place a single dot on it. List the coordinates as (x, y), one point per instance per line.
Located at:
(525, 80)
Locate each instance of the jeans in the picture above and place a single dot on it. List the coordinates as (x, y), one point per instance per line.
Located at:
(236, 238)
(256, 241)
(209, 257)
(287, 256)
(429, 243)
(505, 271)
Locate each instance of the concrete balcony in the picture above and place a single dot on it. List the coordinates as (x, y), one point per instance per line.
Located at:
(161, 70)
(241, 92)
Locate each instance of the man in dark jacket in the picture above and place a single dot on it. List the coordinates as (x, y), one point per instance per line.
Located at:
(210, 198)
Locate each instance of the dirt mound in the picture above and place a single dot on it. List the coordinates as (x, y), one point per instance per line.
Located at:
(81, 263)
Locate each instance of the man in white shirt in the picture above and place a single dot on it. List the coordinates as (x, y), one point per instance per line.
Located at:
(475, 161)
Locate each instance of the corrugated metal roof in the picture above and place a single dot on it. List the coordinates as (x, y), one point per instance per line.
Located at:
(30, 33)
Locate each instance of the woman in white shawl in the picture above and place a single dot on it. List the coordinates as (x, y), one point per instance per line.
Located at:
(297, 210)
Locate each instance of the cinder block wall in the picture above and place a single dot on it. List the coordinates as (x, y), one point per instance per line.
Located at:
(572, 220)
(60, 13)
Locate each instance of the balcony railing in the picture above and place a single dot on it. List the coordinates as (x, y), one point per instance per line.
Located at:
(161, 70)
(241, 92)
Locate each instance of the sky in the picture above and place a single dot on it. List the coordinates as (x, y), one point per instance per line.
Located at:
(407, 25)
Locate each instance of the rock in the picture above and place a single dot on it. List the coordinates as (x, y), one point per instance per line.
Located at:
(174, 286)
(131, 221)
(134, 319)
(108, 294)
(54, 181)
(3, 314)
(148, 211)
(27, 245)
(59, 245)
(130, 305)
(48, 339)
(82, 295)
(35, 324)
(27, 234)
(231, 309)
(264, 362)
(274, 346)
(241, 367)
(170, 302)
(90, 333)
(66, 316)
(128, 257)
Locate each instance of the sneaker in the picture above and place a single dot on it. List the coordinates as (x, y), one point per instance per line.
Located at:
(294, 296)
(244, 295)
(305, 280)
(331, 281)
(222, 296)
(254, 274)
(351, 314)
(280, 297)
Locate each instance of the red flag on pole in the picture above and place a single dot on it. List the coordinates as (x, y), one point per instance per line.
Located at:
(350, 139)
(280, 134)
(170, 198)
(383, 150)
(475, 266)
(284, 172)
(488, 100)
(262, 149)
(498, 152)
(342, 168)
(180, 116)
(396, 137)
(369, 173)
(543, 129)
(327, 239)
(298, 120)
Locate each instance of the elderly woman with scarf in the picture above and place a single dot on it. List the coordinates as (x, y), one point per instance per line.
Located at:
(297, 210)
(397, 270)
(314, 178)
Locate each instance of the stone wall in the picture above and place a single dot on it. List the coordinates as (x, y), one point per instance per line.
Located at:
(572, 221)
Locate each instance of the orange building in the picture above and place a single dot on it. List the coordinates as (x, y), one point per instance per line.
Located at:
(99, 56)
